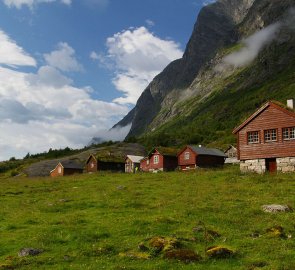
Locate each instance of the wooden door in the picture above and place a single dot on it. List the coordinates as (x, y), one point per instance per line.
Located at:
(271, 165)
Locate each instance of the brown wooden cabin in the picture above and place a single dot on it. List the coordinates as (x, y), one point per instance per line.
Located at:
(132, 163)
(160, 159)
(68, 167)
(266, 140)
(109, 163)
(192, 157)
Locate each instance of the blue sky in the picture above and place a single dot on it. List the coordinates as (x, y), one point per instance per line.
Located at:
(70, 69)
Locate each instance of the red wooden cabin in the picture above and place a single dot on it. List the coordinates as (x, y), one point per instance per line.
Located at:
(68, 167)
(160, 159)
(192, 157)
(266, 140)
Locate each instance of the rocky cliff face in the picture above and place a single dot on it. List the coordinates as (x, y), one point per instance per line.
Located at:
(194, 77)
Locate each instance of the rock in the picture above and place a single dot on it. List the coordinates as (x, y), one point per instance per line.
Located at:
(274, 208)
(276, 231)
(219, 252)
(164, 243)
(29, 252)
(121, 187)
(184, 255)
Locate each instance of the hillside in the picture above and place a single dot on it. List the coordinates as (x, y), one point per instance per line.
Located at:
(42, 164)
(201, 97)
(108, 221)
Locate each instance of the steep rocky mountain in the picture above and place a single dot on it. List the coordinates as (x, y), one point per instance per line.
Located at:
(202, 96)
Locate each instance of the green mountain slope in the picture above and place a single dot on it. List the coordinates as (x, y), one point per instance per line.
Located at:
(221, 96)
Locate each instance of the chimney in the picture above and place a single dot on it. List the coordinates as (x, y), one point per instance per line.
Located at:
(290, 104)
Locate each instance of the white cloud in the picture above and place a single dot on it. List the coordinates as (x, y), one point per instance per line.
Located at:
(13, 55)
(115, 134)
(252, 46)
(137, 56)
(94, 56)
(31, 3)
(44, 109)
(150, 22)
(63, 58)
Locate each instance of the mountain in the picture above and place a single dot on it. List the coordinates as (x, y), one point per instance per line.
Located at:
(241, 53)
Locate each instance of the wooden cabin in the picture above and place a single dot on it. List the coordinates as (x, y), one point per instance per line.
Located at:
(132, 163)
(231, 155)
(68, 167)
(266, 140)
(192, 157)
(107, 163)
(160, 159)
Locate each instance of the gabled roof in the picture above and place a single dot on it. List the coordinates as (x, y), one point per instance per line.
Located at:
(274, 104)
(134, 159)
(200, 150)
(231, 147)
(107, 158)
(71, 164)
(165, 151)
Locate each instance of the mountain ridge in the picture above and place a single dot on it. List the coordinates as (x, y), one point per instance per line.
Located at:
(219, 29)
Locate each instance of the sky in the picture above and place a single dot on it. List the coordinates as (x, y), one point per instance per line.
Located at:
(71, 69)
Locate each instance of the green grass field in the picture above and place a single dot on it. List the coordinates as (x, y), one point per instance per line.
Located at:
(89, 221)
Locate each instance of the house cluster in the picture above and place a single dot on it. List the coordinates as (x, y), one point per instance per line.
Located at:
(265, 142)
(158, 159)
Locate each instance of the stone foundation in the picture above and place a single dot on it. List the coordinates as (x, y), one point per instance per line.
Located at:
(253, 165)
(286, 164)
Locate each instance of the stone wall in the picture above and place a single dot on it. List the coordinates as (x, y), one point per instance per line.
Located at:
(253, 165)
(286, 164)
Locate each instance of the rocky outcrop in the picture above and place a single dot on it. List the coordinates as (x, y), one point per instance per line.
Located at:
(196, 75)
(216, 27)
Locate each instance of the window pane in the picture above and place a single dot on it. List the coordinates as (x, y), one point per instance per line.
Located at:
(285, 133)
(270, 135)
(253, 137)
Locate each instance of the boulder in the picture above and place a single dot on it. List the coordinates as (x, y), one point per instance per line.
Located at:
(29, 252)
(274, 208)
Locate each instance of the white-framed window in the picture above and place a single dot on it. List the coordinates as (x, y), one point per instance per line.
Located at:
(270, 135)
(289, 133)
(147, 162)
(187, 155)
(92, 165)
(253, 137)
(156, 159)
(59, 169)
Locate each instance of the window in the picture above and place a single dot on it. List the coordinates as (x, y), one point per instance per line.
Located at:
(156, 159)
(270, 135)
(253, 137)
(147, 162)
(186, 155)
(289, 133)
(59, 169)
(92, 165)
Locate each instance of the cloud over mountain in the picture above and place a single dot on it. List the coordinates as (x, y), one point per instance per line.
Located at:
(137, 56)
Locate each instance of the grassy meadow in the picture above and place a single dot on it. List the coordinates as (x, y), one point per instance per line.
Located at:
(97, 221)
